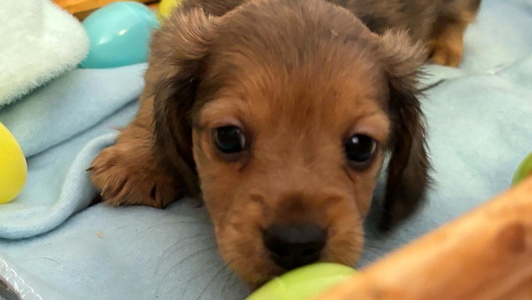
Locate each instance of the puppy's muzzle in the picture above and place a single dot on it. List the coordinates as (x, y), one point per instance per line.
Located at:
(294, 245)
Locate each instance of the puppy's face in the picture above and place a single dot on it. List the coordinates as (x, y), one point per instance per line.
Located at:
(289, 124)
(288, 163)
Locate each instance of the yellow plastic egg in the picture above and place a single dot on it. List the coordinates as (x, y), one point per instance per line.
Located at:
(13, 168)
(166, 7)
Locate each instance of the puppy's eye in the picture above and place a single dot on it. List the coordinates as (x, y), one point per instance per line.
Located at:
(359, 150)
(229, 139)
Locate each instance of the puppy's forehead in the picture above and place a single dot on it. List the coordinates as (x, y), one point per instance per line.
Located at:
(310, 92)
(296, 66)
(329, 88)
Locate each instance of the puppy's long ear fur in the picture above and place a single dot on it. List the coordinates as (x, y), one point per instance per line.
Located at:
(176, 64)
(409, 164)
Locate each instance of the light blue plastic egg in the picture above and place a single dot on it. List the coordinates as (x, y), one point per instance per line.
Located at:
(119, 35)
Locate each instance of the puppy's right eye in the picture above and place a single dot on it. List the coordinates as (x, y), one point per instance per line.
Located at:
(229, 139)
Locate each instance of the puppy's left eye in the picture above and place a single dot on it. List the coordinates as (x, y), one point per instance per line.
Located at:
(229, 139)
(359, 150)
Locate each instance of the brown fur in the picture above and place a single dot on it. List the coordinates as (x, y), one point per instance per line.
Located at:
(299, 77)
(447, 38)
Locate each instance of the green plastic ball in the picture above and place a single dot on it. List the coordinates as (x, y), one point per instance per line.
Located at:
(524, 170)
(303, 283)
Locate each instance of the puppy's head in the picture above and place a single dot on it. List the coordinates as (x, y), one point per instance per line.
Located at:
(285, 110)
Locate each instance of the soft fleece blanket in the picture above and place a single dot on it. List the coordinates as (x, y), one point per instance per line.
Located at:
(38, 42)
(480, 120)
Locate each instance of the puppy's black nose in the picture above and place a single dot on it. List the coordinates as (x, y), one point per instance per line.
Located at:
(294, 245)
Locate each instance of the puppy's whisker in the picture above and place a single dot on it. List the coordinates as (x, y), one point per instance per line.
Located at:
(222, 268)
(176, 265)
(431, 86)
(230, 275)
(174, 223)
(199, 274)
(169, 250)
(193, 255)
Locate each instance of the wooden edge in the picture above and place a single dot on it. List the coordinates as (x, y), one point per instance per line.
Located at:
(521, 292)
(84, 14)
(484, 255)
(85, 6)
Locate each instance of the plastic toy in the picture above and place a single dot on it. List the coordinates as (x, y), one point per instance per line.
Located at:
(119, 35)
(13, 168)
(303, 283)
(166, 7)
(524, 170)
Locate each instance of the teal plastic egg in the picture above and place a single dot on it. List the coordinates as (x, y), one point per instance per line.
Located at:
(119, 35)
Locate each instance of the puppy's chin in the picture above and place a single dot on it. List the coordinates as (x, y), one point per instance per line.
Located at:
(255, 273)
(244, 253)
(240, 231)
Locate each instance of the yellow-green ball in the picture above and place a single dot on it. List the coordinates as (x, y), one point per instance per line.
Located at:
(524, 170)
(13, 168)
(304, 283)
(166, 7)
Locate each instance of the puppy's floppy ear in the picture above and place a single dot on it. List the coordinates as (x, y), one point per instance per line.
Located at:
(409, 164)
(178, 51)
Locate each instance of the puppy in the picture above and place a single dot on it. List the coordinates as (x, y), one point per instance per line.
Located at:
(279, 114)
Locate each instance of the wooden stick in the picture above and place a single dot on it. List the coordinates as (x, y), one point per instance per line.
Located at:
(79, 6)
(484, 255)
(522, 292)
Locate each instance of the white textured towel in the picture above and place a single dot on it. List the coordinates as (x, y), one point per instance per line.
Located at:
(38, 42)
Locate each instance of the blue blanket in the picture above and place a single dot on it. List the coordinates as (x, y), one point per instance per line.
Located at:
(480, 128)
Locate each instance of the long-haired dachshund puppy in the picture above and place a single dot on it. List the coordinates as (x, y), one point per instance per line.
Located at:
(279, 114)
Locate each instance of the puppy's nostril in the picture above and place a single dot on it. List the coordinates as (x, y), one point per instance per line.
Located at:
(280, 251)
(294, 245)
(309, 252)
